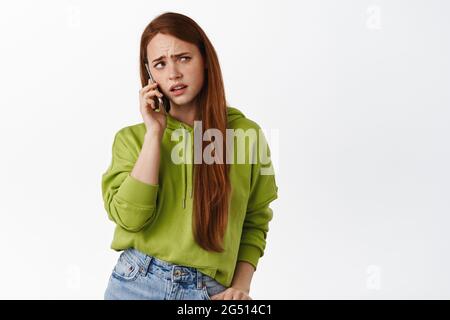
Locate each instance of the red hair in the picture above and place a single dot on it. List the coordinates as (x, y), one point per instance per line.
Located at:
(211, 181)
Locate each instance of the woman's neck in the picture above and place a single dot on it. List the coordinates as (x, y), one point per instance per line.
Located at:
(185, 113)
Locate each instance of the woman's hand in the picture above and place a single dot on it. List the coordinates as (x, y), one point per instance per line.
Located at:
(154, 121)
(232, 294)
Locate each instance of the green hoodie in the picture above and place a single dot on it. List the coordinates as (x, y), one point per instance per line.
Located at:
(157, 219)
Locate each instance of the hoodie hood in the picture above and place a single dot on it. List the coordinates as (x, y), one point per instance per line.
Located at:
(172, 124)
(233, 114)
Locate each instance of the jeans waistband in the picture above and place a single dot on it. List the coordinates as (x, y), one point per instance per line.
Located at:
(165, 269)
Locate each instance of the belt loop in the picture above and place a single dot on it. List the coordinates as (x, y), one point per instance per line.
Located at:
(199, 279)
(147, 261)
(172, 273)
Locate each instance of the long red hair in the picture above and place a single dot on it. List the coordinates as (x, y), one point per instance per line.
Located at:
(211, 181)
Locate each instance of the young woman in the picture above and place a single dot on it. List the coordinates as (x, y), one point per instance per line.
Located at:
(195, 228)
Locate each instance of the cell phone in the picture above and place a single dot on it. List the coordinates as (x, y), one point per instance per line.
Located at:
(159, 102)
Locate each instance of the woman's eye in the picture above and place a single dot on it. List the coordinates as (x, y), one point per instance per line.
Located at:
(162, 63)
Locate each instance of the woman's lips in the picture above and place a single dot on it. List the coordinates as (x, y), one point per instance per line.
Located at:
(179, 91)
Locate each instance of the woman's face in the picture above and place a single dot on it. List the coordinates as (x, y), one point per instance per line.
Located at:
(173, 61)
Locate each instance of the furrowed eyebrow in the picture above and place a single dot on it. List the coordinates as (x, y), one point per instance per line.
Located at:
(173, 55)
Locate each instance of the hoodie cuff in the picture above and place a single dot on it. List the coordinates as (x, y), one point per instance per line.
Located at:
(137, 192)
(250, 254)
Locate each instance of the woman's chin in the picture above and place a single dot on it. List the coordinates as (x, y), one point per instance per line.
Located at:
(181, 100)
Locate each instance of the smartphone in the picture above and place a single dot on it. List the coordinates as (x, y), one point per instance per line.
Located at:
(159, 102)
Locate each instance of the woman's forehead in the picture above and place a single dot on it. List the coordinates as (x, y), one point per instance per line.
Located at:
(164, 45)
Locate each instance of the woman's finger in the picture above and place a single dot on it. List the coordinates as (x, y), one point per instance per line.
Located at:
(218, 296)
(151, 103)
(148, 87)
(153, 92)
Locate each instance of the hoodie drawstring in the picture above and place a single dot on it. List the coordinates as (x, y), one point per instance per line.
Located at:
(183, 175)
(192, 168)
(232, 114)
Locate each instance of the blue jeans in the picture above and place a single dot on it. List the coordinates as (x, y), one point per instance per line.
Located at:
(138, 276)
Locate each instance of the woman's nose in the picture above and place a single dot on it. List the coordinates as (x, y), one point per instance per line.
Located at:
(173, 72)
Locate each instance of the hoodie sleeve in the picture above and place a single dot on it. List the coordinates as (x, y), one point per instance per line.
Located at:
(129, 202)
(263, 190)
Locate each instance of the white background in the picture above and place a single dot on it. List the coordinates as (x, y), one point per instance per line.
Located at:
(358, 91)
